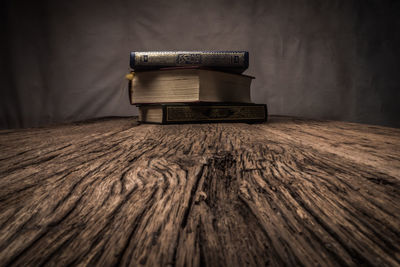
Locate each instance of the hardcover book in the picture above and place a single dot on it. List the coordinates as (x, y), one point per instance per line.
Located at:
(189, 85)
(229, 61)
(203, 113)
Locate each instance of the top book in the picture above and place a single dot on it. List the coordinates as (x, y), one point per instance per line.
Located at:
(228, 61)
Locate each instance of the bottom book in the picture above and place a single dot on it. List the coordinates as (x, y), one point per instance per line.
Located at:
(202, 113)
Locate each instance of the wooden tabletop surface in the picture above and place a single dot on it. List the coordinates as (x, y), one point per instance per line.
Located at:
(112, 192)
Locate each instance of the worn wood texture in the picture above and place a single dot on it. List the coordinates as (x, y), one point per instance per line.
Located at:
(289, 192)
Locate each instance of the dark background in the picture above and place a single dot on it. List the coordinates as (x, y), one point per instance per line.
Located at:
(66, 60)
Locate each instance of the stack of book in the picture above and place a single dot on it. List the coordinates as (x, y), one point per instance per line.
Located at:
(186, 87)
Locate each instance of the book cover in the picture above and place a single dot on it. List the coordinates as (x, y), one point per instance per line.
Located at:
(230, 61)
(203, 113)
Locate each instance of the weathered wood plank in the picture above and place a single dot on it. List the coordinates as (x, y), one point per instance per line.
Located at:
(289, 192)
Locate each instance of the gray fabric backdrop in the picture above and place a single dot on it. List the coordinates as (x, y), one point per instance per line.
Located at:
(66, 60)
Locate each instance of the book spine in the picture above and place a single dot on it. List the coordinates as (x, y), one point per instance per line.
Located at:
(235, 60)
(222, 113)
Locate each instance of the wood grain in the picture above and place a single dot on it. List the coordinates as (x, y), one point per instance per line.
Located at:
(111, 192)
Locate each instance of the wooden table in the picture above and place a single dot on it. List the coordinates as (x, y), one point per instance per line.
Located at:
(289, 192)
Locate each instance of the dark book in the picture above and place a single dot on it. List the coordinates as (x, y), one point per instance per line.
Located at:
(229, 61)
(189, 85)
(203, 113)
